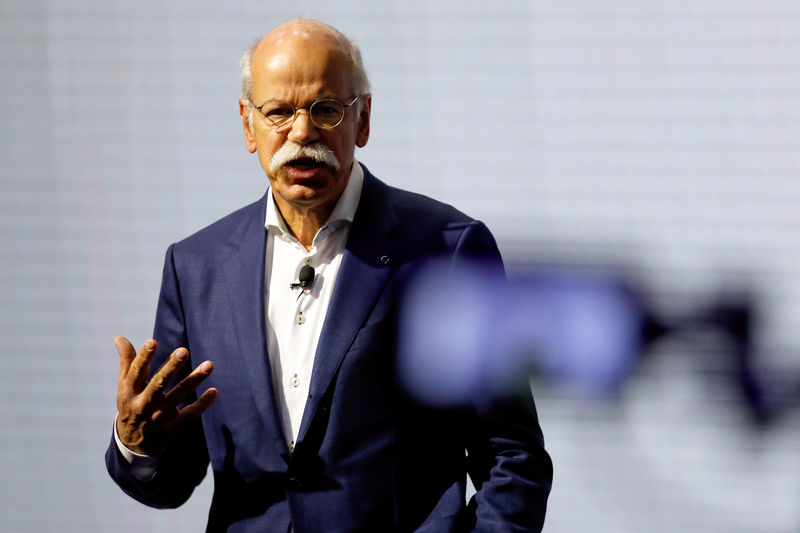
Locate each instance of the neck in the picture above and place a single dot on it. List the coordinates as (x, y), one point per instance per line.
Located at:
(303, 223)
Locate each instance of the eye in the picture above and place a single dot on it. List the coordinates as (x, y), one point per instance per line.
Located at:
(327, 109)
(278, 112)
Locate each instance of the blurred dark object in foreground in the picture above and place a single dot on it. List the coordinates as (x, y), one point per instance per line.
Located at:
(466, 332)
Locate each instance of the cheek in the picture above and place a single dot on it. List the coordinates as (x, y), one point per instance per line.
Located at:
(267, 143)
(263, 155)
(342, 146)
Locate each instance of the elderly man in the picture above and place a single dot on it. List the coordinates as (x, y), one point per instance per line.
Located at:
(294, 300)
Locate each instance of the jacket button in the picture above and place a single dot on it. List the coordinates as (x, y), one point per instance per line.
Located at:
(294, 482)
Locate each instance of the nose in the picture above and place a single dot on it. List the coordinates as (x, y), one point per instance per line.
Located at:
(303, 130)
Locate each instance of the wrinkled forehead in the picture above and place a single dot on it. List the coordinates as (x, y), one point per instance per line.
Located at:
(290, 64)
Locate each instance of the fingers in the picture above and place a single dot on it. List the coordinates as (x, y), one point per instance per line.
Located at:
(182, 390)
(198, 407)
(126, 355)
(134, 368)
(139, 368)
(164, 375)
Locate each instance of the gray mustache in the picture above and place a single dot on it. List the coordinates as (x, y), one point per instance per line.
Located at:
(291, 150)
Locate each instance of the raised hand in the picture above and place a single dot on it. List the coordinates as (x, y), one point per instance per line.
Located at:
(149, 417)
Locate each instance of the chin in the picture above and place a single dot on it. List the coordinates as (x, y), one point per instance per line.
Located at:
(303, 195)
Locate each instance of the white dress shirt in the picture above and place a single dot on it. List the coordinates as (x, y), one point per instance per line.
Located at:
(294, 317)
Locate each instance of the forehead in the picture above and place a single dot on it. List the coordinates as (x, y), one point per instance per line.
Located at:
(294, 68)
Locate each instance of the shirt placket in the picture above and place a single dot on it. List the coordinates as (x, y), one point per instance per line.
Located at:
(298, 374)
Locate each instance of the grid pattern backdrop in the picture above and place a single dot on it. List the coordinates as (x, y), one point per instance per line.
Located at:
(660, 139)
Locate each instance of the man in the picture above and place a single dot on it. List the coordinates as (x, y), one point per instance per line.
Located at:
(304, 423)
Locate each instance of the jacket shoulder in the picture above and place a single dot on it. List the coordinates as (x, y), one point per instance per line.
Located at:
(425, 226)
(411, 206)
(414, 208)
(226, 230)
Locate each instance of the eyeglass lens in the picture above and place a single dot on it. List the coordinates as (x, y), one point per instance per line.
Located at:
(324, 113)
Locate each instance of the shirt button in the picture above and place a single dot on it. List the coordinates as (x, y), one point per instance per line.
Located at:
(295, 381)
(300, 319)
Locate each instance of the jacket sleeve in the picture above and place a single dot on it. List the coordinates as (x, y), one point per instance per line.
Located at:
(183, 465)
(507, 461)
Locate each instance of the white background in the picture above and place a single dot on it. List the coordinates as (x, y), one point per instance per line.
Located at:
(660, 138)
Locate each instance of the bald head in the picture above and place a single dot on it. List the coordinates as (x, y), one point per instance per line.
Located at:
(305, 32)
(290, 74)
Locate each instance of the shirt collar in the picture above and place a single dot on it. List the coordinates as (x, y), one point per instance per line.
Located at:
(345, 208)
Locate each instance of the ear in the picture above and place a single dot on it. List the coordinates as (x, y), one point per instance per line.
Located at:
(247, 124)
(362, 133)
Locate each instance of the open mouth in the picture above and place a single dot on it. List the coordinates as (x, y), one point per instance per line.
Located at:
(305, 163)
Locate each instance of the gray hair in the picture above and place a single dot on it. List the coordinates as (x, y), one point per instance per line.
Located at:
(358, 73)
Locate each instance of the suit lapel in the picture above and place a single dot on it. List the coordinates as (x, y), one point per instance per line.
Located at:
(243, 272)
(366, 266)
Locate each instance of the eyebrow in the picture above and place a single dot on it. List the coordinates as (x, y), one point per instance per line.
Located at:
(316, 99)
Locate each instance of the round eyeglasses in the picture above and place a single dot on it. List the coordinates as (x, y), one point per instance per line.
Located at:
(326, 114)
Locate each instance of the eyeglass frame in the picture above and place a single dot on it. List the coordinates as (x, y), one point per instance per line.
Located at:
(288, 124)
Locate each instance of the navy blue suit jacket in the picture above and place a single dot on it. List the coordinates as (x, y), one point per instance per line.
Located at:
(368, 458)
